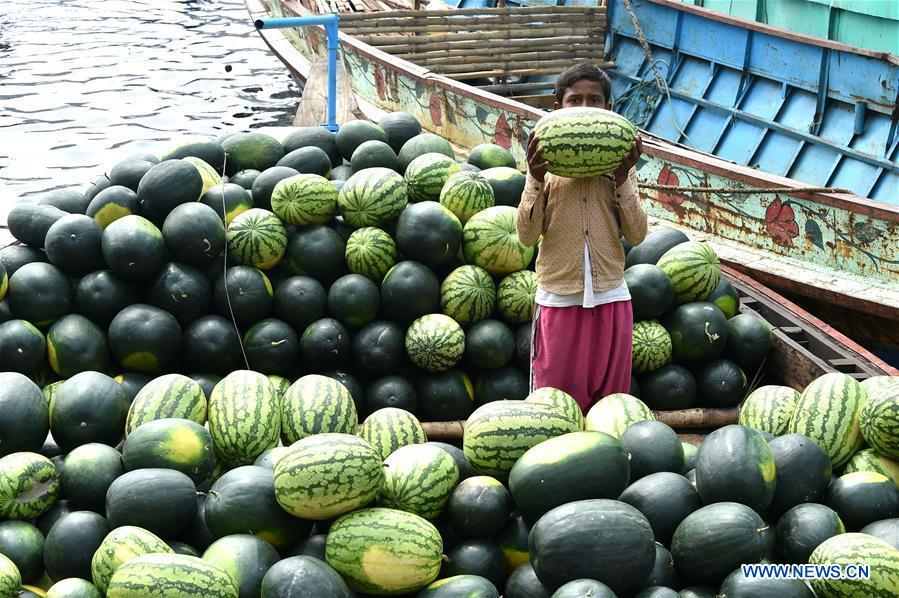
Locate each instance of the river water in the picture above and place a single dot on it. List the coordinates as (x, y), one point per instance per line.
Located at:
(86, 83)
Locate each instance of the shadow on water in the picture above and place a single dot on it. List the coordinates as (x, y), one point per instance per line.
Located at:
(84, 84)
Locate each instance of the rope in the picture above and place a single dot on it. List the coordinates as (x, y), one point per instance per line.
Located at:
(742, 191)
(642, 38)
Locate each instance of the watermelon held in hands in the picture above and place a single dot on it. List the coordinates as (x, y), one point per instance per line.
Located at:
(584, 142)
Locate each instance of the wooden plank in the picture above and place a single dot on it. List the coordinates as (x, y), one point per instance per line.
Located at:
(386, 40)
(521, 10)
(510, 67)
(518, 30)
(527, 71)
(591, 43)
(411, 23)
(313, 108)
(511, 59)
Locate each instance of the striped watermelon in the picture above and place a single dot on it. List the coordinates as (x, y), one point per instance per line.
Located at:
(371, 252)
(171, 395)
(858, 549)
(10, 578)
(465, 194)
(427, 174)
(178, 444)
(372, 197)
(769, 409)
(256, 238)
(435, 342)
(616, 413)
(326, 475)
(498, 433)
(490, 240)
(29, 485)
(121, 545)
(419, 479)
(390, 428)
(468, 295)
(651, 346)
(304, 199)
(827, 412)
(879, 420)
(244, 417)
(317, 404)
(560, 400)
(384, 551)
(210, 176)
(171, 576)
(280, 384)
(584, 142)
(877, 382)
(694, 270)
(869, 460)
(515, 296)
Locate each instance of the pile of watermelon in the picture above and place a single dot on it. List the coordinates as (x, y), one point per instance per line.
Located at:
(692, 346)
(214, 365)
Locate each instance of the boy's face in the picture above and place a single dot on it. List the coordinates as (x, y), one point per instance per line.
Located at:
(583, 93)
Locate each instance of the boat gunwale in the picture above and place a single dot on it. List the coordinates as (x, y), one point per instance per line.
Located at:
(657, 145)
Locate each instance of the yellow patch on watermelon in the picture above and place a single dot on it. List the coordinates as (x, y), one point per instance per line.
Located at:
(142, 361)
(209, 175)
(184, 446)
(384, 569)
(110, 213)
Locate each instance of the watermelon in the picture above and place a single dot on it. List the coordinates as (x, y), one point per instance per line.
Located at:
(4, 281)
(316, 404)
(256, 238)
(601, 539)
(651, 290)
(370, 252)
(24, 414)
(10, 578)
(374, 154)
(162, 501)
(384, 551)
(616, 413)
(244, 417)
(584, 142)
(245, 178)
(498, 433)
(875, 383)
(513, 541)
(869, 460)
(372, 197)
(86, 474)
(523, 583)
(88, 407)
(409, 290)
(444, 396)
(589, 587)
(419, 480)
(312, 137)
(827, 412)
(379, 349)
(23, 544)
(560, 400)
(173, 576)
(435, 342)
(264, 185)
(23, 347)
(39, 293)
(508, 383)
(71, 543)
(803, 472)
(114, 202)
(651, 346)
(390, 428)
(516, 296)
(354, 133)
(121, 545)
(665, 499)
(243, 295)
(245, 558)
(171, 395)
(101, 295)
(738, 584)
(227, 200)
(299, 301)
(399, 127)
(478, 507)
(653, 447)
(181, 290)
(179, 444)
(468, 295)
(716, 539)
(489, 344)
(325, 345)
(421, 144)
(480, 558)
(243, 501)
(694, 270)
(490, 155)
(313, 573)
(721, 383)
(327, 475)
(210, 151)
(72, 244)
(272, 347)
(863, 497)
(858, 549)
(490, 240)
(886, 529)
(133, 247)
(749, 341)
(145, 339)
(460, 585)
(465, 194)
(308, 160)
(801, 529)
(571, 467)
(426, 175)
(878, 420)
(769, 409)
(253, 150)
(698, 332)
(735, 464)
(507, 184)
(304, 199)
(167, 185)
(208, 174)
(73, 587)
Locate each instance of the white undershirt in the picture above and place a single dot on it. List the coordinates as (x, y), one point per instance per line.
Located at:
(586, 298)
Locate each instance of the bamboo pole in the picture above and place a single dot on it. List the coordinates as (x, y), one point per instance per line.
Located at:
(698, 418)
(584, 29)
(464, 46)
(508, 65)
(519, 10)
(555, 70)
(386, 40)
(523, 58)
(516, 88)
(456, 22)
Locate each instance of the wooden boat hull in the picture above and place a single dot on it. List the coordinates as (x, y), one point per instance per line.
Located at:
(837, 248)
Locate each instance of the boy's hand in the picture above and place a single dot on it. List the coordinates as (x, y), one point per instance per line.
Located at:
(536, 164)
(629, 161)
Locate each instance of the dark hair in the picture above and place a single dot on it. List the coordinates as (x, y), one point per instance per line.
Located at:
(582, 70)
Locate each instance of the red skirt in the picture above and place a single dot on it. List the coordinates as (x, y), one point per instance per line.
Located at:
(584, 351)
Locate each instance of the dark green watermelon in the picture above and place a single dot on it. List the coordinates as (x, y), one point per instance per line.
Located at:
(247, 296)
(429, 233)
(665, 499)
(803, 472)
(87, 473)
(23, 544)
(802, 529)
(29, 222)
(354, 300)
(698, 332)
(317, 251)
(390, 391)
(145, 339)
(68, 200)
(653, 447)
(102, 294)
(312, 574)
(654, 246)
(40, 293)
(299, 301)
(181, 290)
(735, 464)
(211, 344)
(272, 347)
(324, 345)
(479, 507)
(23, 347)
(265, 183)
(508, 383)
(489, 344)
(721, 383)
(73, 244)
(651, 290)
(307, 160)
(477, 557)
(71, 543)
(379, 348)
(409, 290)
(862, 498)
(748, 341)
(88, 407)
(444, 396)
(668, 388)
(319, 137)
(738, 585)
(523, 583)
(194, 234)
(162, 501)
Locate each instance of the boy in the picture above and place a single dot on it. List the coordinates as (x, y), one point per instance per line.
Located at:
(581, 339)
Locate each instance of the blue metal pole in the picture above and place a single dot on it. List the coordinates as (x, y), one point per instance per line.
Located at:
(330, 23)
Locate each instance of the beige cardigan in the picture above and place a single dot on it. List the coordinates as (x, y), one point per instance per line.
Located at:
(572, 212)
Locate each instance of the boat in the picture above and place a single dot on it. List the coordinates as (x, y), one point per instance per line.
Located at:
(821, 225)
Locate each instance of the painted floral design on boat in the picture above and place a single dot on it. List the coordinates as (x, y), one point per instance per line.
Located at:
(670, 200)
(781, 222)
